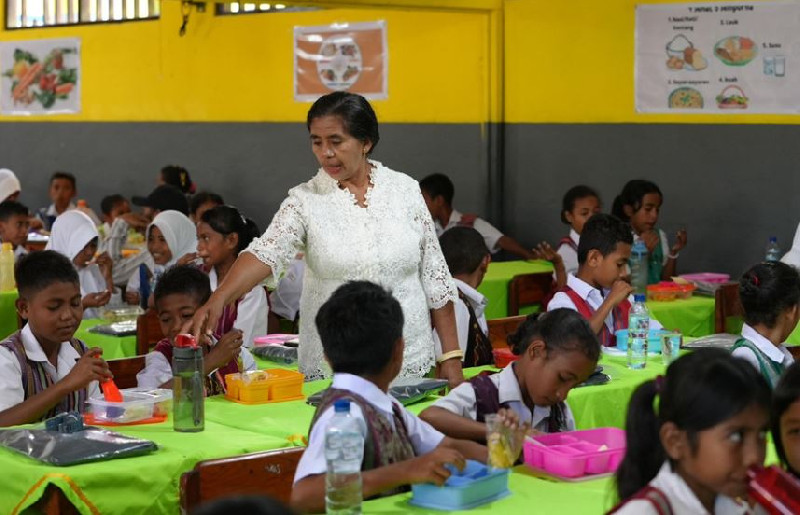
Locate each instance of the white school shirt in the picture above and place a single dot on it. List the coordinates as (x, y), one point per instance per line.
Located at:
(463, 402)
(251, 313)
(792, 257)
(665, 249)
(490, 234)
(478, 303)
(681, 499)
(11, 373)
(19, 252)
(157, 370)
(285, 300)
(570, 255)
(424, 438)
(593, 297)
(778, 354)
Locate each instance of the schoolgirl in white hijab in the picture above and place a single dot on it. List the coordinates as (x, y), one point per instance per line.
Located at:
(9, 185)
(171, 238)
(74, 235)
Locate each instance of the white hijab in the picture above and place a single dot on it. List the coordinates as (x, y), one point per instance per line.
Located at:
(178, 230)
(9, 184)
(793, 256)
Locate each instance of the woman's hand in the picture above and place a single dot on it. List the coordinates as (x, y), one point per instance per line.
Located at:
(206, 317)
(452, 371)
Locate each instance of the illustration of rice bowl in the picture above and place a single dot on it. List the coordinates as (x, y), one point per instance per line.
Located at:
(678, 46)
(684, 56)
(685, 98)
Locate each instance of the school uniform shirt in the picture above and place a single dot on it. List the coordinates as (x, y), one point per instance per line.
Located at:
(568, 254)
(779, 354)
(478, 303)
(157, 370)
(463, 402)
(251, 311)
(285, 300)
(593, 297)
(681, 499)
(46, 214)
(19, 252)
(490, 234)
(423, 436)
(113, 239)
(11, 373)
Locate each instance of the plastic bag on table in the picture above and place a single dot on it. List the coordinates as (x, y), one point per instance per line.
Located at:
(277, 353)
(720, 341)
(63, 449)
(405, 390)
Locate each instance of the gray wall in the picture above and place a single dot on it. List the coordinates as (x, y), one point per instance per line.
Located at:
(732, 185)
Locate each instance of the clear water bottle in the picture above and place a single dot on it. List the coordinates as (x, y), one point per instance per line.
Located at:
(773, 250)
(638, 327)
(639, 267)
(344, 452)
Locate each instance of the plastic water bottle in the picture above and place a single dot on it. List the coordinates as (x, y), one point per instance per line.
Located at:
(7, 282)
(639, 267)
(344, 452)
(773, 250)
(638, 327)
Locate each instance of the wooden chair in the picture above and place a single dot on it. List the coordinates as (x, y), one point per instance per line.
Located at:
(500, 328)
(728, 311)
(529, 289)
(148, 331)
(125, 370)
(268, 473)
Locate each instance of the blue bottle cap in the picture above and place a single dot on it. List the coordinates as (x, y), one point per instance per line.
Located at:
(639, 297)
(341, 406)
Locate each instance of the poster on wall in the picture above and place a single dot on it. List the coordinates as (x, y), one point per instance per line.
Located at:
(341, 57)
(40, 77)
(733, 58)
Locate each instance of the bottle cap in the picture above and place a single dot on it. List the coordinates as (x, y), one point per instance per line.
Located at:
(639, 297)
(82, 203)
(7, 246)
(185, 341)
(341, 406)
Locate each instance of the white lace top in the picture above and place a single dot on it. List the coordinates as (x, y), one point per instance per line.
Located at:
(391, 242)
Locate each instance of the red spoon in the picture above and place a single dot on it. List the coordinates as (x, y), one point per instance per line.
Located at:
(111, 392)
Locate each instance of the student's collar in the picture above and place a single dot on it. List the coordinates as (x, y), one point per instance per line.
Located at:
(574, 236)
(33, 349)
(508, 386)
(581, 287)
(475, 297)
(366, 389)
(764, 345)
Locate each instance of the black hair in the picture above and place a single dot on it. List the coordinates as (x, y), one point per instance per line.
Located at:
(786, 393)
(633, 195)
(9, 208)
(700, 390)
(573, 194)
(185, 279)
(356, 113)
(177, 176)
(561, 330)
(438, 184)
(603, 232)
(201, 198)
(36, 271)
(250, 504)
(227, 220)
(464, 249)
(768, 289)
(359, 325)
(64, 175)
(110, 202)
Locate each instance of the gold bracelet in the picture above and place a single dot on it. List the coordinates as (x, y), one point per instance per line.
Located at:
(458, 353)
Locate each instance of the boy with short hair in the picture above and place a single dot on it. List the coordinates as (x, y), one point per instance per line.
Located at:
(44, 370)
(468, 258)
(14, 225)
(117, 219)
(599, 291)
(63, 189)
(179, 293)
(361, 327)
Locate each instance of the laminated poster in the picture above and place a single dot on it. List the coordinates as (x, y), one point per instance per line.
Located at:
(40, 77)
(719, 58)
(341, 57)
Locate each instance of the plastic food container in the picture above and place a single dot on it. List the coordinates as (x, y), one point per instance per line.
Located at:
(262, 386)
(162, 399)
(503, 357)
(653, 340)
(707, 277)
(667, 291)
(575, 454)
(477, 484)
(275, 339)
(135, 406)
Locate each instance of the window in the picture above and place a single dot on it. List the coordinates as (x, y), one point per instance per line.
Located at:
(259, 7)
(43, 13)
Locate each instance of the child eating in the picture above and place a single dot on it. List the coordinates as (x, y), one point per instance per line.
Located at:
(43, 369)
(14, 224)
(361, 327)
(579, 204)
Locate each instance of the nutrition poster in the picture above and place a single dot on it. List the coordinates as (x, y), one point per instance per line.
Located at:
(40, 76)
(734, 58)
(341, 57)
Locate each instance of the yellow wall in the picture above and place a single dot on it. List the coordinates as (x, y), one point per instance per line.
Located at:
(239, 68)
(571, 61)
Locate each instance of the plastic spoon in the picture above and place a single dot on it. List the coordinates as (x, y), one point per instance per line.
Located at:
(110, 391)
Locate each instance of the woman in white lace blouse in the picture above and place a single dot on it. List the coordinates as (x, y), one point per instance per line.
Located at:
(355, 220)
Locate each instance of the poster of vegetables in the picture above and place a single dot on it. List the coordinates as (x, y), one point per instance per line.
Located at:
(341, 57)
(718, 57)
(40, 77)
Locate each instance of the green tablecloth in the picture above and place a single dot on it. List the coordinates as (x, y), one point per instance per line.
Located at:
(114, 347)
(8, 313)
(495, 284)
